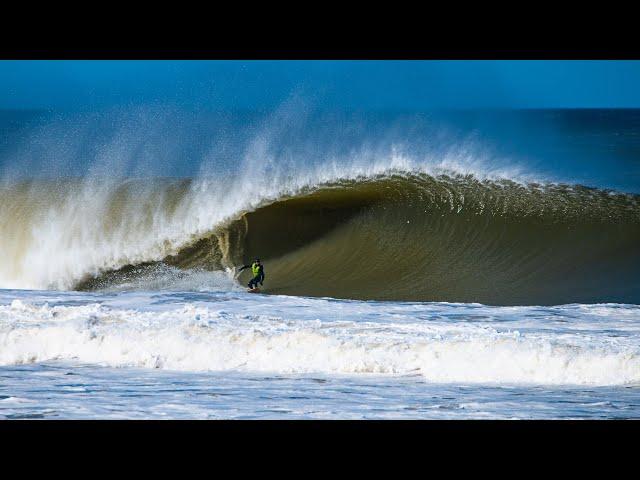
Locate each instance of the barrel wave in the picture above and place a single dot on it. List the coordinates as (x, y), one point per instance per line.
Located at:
(391, 236)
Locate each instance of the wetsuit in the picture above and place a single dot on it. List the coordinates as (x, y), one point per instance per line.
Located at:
(258, 274)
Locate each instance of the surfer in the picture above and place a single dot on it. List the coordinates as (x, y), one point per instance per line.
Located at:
(258, 273)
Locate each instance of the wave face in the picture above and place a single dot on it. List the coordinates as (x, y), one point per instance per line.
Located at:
(391, 237)
(444, 239)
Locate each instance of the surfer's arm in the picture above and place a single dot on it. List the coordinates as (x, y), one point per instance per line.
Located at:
(242, 268)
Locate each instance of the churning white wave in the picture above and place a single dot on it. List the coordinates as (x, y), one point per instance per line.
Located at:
(459, 343)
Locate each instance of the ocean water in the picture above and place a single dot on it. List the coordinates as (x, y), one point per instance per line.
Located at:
(418, 265)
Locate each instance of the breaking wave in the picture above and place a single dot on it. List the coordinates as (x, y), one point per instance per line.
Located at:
(391, 235)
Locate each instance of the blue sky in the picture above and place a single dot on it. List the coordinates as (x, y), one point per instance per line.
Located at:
(351, 85)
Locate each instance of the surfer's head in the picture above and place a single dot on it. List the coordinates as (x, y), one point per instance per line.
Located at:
(257, 261)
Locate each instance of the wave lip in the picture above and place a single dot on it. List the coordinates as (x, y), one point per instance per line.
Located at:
(199, 338)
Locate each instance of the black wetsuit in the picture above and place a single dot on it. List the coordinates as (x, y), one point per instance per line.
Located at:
(259, 278)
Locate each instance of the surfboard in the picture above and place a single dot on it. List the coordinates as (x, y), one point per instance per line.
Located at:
(254, 290)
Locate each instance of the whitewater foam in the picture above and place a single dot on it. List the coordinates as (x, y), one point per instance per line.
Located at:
(443, 343)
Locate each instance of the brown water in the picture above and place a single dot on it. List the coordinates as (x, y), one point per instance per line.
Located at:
(420, 238)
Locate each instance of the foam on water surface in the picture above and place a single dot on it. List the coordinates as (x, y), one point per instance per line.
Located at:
(221, 331)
